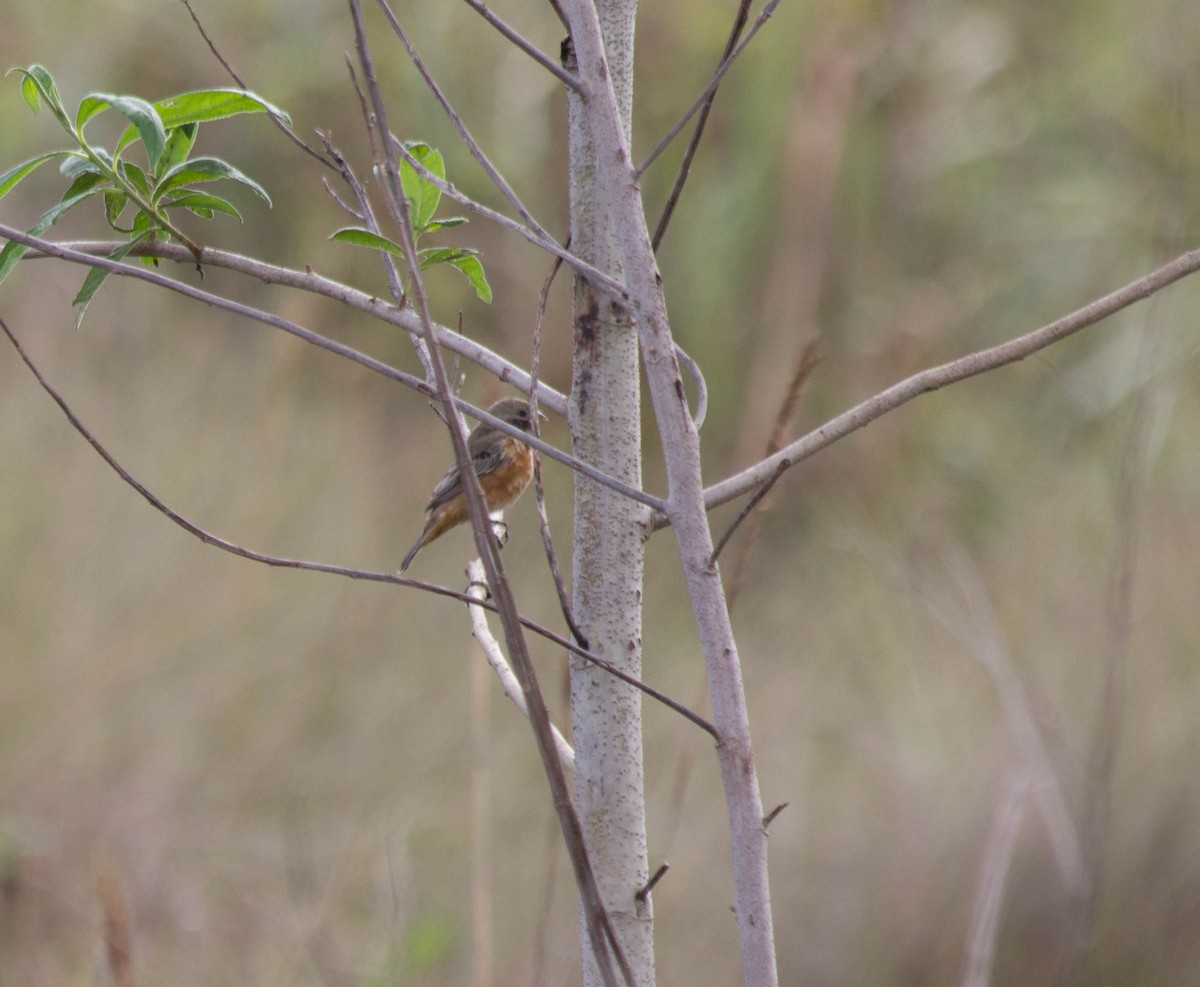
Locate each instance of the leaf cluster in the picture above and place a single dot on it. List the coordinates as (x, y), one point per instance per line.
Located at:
(422, 197)
(140, 199)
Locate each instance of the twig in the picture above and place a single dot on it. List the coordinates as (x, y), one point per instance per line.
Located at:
(287, 131)
(697, 375)
(477, 589)
(706, 93)
(530, 49)
(368, 219)
(773, 814)
(539, 491)
(658, 875)
(685, 165)
(559, 11)
(746, 511)
(932, 379)
(457, 122)
(805, 363)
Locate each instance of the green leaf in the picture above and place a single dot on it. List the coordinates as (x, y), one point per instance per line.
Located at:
(205, 170)
(214, 104)
(422, 195)
(38, 84)
(179, 145)
(200, 203)
(57, 211)
(114, 205)
(29, 93)
(138, 112)
(9, 180)
(365, 238)
(472, 267)
(86, 181)
(445, 224)
(96, 277)
(206, 105)
(464, 259)
(77, 163)
(135, 177)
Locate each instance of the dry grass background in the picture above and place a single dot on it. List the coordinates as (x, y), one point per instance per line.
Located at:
(273, 768)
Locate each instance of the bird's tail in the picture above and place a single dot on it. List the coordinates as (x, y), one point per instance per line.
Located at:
(417, 546)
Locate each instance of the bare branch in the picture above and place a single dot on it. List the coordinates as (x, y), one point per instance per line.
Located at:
(707, 92)
(287, 131)
(697, 374)
(530, 49)
(806, 362)
(452, 115)
(540, 494)
(685, 166)
(746, 511)
(478, 590)
(979, 362)
(658, 875)
(94, 253)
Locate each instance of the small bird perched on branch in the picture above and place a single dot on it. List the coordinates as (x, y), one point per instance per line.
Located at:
(503, 464)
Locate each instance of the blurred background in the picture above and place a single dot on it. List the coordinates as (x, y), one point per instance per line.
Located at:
(970, 629)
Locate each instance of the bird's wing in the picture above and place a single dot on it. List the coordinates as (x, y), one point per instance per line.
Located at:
(484, 461)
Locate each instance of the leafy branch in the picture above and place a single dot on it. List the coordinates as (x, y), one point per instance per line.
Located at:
(167, 132)
(422, 197)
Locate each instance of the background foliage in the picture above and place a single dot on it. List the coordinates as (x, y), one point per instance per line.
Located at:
(274, 766)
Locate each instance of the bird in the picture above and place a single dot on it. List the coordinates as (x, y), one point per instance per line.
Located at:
(503, 464)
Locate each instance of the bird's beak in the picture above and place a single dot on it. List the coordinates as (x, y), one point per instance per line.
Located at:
(541, 417)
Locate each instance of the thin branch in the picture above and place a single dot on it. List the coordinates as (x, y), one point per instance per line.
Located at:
(539, 491)
(395, 285)
(685, 166)
(697, 374)
(355, 299)
(746, 511)
(934, 378)
(658, 875)
(806, 362)
(477, 589)
(771, 816)
(707, 91)
(94, 253)
(287, 131)
(530, 49)
(561, 16)
(457, 122)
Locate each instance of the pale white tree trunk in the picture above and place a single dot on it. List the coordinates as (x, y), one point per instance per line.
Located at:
(609, 541)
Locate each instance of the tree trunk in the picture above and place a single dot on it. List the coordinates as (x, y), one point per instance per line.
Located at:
(609, 529)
